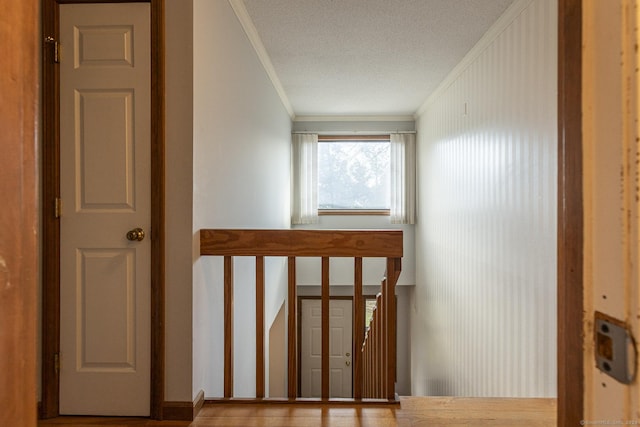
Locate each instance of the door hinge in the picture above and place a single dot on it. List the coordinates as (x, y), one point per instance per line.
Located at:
(57, 207)
(56, 363)
(56, 48)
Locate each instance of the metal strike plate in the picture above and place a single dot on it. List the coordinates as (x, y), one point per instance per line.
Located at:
(616, 353)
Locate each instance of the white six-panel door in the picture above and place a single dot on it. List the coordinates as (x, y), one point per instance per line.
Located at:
(105, 192)
(340, 348)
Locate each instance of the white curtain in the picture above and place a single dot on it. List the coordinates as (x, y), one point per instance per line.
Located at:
(304, 203)
(403, 178)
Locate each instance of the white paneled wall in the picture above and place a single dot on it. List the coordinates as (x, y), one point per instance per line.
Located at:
(484, 307)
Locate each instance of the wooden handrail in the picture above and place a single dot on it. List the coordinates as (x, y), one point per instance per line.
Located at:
(374, 356)
(302, 243)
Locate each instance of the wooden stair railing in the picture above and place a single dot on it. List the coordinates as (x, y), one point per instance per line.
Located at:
(374, 370)
(378, 351)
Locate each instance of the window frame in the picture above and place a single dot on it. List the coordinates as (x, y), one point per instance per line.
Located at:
(354, 138)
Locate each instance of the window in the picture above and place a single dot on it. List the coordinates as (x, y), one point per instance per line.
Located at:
(353, 174)
(350, 174)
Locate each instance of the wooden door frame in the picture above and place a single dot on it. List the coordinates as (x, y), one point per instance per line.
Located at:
(570, 215)
(51, 225)
(18, 218)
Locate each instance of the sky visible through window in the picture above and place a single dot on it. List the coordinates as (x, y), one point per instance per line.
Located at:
(353, 175)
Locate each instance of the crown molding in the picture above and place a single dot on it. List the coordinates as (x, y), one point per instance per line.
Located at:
(250, 30)
(485, 41)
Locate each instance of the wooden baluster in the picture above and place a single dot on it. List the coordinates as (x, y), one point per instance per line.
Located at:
(367, 363)
(291, 330)
(375, 351)
(259, 327)
(380, 348)
(370, 352)
(358, 329)
(367, 369)
(393, 271)
(325, 328)
(362, 351)
(228, 326)
(383, 341)
(372, 360)
(370, 363)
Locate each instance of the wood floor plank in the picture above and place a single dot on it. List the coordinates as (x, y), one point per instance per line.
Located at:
(413, 412)
(76, 421)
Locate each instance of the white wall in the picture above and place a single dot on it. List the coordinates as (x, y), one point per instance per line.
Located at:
(484, 307)
(179, 177)
(241, 152)
(278, 355)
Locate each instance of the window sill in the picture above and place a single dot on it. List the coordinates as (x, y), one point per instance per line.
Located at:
(372, 212)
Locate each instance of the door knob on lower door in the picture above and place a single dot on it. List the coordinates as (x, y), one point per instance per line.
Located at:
(137, 234)
(348, 363)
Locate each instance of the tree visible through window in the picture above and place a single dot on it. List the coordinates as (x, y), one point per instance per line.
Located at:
(353, 175)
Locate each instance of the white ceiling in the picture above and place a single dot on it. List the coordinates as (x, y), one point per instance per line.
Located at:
(366, 57)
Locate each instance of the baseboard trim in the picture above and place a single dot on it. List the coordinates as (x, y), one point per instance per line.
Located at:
(198, 403)
(183, 411)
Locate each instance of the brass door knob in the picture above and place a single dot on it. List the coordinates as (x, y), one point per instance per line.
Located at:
(348, 363)
(137, 234)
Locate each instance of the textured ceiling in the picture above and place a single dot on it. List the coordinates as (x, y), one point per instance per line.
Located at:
(367, 57)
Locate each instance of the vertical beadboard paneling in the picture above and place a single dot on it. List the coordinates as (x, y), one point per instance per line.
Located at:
(484, 309)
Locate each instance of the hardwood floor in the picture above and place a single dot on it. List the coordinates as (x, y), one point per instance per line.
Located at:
(413, 411)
